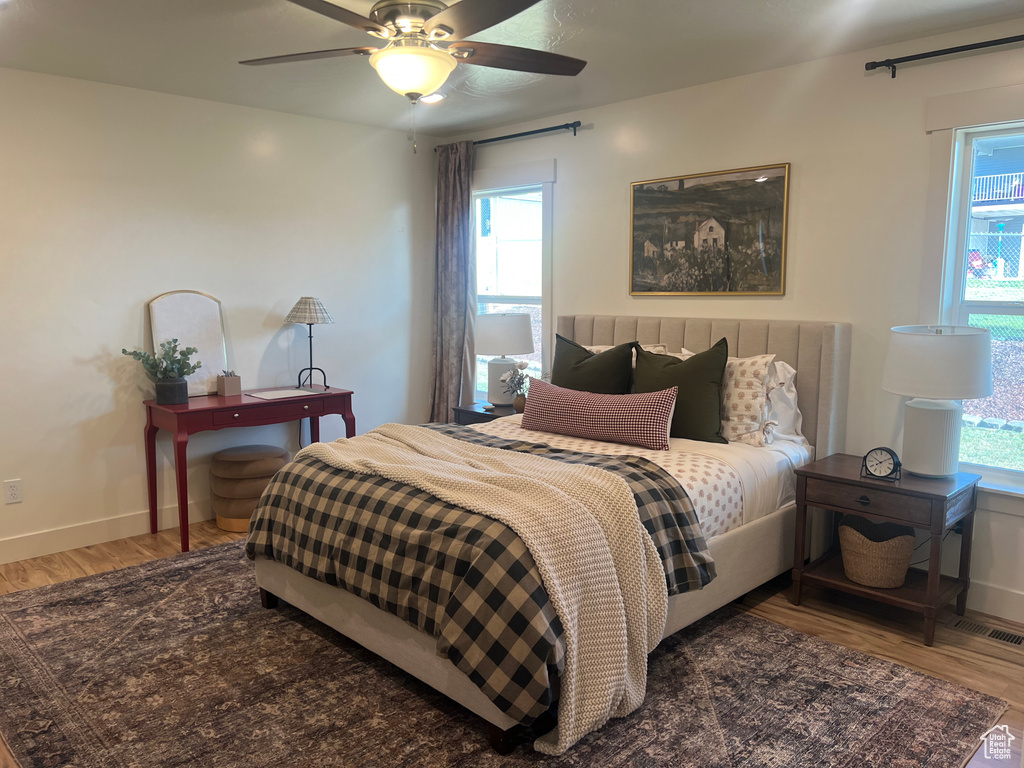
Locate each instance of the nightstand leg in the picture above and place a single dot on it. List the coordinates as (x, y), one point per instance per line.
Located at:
(929, 626)
(966, 540)
(932, 595)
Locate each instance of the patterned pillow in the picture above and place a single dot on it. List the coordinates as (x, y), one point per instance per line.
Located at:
(745, 399)
(641, 419)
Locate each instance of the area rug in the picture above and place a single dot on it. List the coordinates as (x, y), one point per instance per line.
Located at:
(174, 663)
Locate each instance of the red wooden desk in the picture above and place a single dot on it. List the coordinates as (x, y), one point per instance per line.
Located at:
(209, 412)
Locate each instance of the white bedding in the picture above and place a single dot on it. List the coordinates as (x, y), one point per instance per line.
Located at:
(729, 485)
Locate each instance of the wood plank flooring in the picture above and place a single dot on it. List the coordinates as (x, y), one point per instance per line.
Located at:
(976, 662)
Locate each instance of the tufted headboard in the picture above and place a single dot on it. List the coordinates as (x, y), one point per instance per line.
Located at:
(819, 351)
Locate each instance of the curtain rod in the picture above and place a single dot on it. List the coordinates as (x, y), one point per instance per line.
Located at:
(563, 127)
(890, 64)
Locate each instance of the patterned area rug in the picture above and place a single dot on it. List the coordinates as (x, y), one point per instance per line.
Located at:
(174, 663)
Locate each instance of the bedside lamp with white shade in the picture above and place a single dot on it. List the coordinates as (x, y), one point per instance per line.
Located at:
(502, 335)
(937, 366)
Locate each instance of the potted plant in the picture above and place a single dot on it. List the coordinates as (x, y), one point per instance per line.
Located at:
(516, 383)
(169, 368)
(229, 384)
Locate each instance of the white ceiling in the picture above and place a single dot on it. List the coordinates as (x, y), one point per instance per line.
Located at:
(634, 48)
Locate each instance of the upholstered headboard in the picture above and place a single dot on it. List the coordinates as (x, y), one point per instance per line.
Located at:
(819, 351)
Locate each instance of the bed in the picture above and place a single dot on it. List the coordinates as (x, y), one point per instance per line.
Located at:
(745, 555)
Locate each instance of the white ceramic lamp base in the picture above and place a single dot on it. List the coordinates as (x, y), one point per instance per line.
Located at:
(496, 368)
(931, 437)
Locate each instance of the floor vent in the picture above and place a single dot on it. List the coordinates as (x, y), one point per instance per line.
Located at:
(965, 625)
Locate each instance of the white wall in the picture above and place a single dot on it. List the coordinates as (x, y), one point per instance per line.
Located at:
(859, 180)
(110, 196)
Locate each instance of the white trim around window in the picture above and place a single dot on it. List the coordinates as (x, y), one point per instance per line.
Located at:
(950, 120)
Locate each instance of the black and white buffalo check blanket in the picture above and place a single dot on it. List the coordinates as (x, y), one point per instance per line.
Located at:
(463, 578)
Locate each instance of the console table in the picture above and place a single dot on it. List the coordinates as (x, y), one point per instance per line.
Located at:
(211, 412)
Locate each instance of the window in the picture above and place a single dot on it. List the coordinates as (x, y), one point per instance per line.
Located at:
(511, 264)
(987, 285)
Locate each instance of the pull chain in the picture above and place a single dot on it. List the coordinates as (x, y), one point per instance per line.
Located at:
(412, 124)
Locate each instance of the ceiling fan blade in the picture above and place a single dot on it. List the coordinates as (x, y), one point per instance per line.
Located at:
(519, 59)
(467, 17)
(332, 11)
(310, 56)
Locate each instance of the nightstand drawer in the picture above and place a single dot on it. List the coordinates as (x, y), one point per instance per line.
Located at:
(897, 506)
(269, 415)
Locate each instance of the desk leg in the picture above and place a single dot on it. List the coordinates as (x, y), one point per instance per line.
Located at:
(181, 471)
(966, 539)
(314, 429)
(151, 470)
(350, 420)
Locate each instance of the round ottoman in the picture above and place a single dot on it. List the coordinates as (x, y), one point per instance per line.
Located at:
(237, 478)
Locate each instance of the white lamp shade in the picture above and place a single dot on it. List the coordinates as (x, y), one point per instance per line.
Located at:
(413, 71)
(939, 362)
(503, 335)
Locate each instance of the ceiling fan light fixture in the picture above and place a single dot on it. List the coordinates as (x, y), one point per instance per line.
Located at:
(412, 70)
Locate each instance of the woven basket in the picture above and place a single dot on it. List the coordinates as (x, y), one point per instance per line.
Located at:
(875, 554)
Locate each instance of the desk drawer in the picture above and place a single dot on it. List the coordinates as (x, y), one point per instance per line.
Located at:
(897, 506)
(269, 413)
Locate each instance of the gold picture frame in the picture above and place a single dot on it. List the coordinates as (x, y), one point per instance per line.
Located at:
(710, 234)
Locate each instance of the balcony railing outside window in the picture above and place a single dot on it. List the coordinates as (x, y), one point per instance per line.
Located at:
(1005, 186)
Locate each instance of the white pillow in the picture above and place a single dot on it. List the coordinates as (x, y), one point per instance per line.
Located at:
(658, 349)
(782, 405)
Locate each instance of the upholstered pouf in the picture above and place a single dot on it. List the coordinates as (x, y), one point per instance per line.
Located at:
(237, 478)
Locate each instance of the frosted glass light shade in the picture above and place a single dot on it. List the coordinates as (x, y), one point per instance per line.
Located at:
(413, 71)
(503, 335)
(939, 362)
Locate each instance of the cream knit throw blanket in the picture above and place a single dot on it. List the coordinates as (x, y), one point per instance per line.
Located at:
(600, 568)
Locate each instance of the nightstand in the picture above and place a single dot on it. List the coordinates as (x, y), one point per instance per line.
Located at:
(932, 504)
(475, 413)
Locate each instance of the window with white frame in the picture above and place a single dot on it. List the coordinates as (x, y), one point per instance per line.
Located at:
(510, 245)
(986, 290)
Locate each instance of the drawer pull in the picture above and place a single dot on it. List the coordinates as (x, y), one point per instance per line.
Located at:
(236, 415)
(863, 501)
(305, 407)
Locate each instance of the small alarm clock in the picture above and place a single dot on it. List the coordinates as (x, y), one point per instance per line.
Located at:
(881, 464)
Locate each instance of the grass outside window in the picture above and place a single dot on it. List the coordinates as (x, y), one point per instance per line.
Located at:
(992, 447)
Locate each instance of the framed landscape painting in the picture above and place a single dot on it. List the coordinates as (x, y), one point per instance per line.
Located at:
(710, 234)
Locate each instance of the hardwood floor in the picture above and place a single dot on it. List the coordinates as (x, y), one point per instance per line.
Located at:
(980, 663)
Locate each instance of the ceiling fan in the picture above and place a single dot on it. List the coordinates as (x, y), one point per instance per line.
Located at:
(425, 42)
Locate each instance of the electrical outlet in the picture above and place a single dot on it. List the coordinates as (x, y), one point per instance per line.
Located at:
(12, 491)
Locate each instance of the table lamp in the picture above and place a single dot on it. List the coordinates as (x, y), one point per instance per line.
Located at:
(502, 335)
(310, 311)
(938, 366)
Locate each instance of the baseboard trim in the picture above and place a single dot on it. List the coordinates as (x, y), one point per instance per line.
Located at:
(41, 543)
(995, 600)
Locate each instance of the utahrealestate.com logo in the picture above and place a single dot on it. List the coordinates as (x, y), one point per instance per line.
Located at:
(996, 743)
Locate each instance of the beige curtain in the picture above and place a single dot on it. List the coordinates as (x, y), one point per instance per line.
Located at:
(454, 282)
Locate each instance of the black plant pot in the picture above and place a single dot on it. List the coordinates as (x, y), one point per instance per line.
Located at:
(171, 391)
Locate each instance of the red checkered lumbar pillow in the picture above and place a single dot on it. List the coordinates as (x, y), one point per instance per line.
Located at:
(641, 419)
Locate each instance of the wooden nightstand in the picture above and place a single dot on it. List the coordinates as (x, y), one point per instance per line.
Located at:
(934, 505)
(475, 413)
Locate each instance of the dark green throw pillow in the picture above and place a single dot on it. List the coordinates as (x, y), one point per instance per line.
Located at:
(606, 373)
(698, 413)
